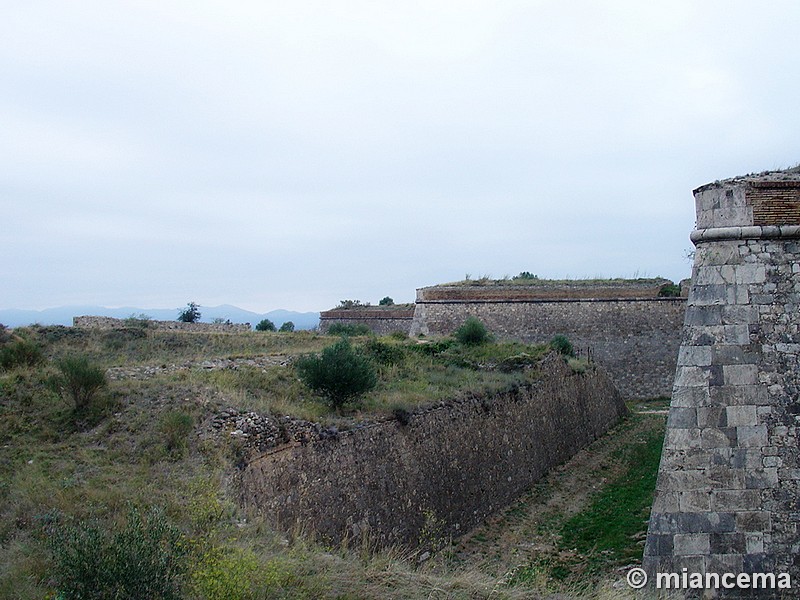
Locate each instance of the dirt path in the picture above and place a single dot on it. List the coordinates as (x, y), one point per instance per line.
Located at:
(530, 528)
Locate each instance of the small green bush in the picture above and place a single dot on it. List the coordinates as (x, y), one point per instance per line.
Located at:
(387, 301)
(578, 365)
(350, 329)
(20, 352)
(226, 574)
(287, 327)
(472, 332)
(562, 345)
(669, 290)
(81, 380)
(265, 325)
(434, 348)
(383, 353)
(338, 373)
(145, 558)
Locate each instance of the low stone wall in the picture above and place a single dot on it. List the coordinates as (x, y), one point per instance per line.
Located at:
(635, 339)
(442, 471)
(89, 322)
(380, 320)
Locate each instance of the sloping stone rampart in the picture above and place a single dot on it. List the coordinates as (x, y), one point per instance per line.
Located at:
(443, 472)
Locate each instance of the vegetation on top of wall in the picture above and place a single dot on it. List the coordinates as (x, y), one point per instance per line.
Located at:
(669, 290)
(526, 278)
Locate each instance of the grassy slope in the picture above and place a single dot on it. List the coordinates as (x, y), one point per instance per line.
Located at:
(131, 455)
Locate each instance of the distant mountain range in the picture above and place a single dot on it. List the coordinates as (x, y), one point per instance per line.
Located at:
(62, 315)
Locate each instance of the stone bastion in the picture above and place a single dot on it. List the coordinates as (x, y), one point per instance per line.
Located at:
(623, 325)
(728, 493)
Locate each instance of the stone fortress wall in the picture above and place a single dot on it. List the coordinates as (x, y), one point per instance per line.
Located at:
(622, 324)
(382, 320)
(89, 322)
(443, 470)
(728, 493)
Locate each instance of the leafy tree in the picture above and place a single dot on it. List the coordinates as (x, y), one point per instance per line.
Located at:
(387, 301)
(472, 332)
(265, 325)
(288, 326)
(339, 373)
(190, 314)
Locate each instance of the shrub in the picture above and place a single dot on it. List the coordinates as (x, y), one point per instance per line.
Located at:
(339, 373)
(176, 426)
(81, 380)
(20, 352)
(265, 325)
(190, 314)
(578, 365)
(383, 353)
(145, 558)
(526, 275)
(347, 304)
(387, 301)
(669, 290)
(562, 345)
(287, 327)
(141, 320)
(349, 329)
(434, 348)
(472, 332)
(226, 574)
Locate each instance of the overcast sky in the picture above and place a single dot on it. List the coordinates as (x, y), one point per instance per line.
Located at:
(293, 154)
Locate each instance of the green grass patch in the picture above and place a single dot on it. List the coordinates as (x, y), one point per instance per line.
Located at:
(610, 530)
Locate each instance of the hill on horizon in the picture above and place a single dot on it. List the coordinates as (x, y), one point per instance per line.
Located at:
(62, 315)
